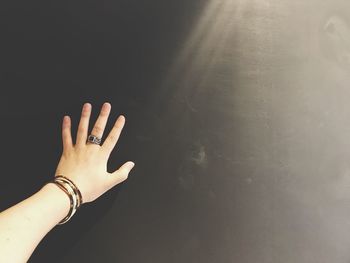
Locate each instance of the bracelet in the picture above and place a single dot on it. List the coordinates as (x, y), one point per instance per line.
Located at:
(73, 186)
(73, 193)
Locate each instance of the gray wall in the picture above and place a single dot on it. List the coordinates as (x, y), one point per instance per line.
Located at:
(237, 119)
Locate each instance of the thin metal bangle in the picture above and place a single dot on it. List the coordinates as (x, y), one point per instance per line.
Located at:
(74, 187)
(71, 211)
(71, 192)
(71, 199)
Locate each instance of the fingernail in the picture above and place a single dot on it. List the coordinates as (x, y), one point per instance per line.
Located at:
(131, 165)
(86, 106)
(106, 105)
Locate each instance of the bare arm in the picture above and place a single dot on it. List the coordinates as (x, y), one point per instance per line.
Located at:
(24, 225)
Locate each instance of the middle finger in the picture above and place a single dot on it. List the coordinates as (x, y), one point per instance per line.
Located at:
(101, 121)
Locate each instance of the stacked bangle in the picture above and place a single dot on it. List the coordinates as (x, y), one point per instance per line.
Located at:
(73, 193)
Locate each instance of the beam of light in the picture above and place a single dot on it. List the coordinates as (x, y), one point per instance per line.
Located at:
(203, 49)
(207, 54)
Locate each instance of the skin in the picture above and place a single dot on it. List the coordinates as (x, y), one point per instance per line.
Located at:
(25, 224)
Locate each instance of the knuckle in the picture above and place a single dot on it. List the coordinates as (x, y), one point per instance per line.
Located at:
(112, 138)
(67, 153)
(124, 175)
(81, 128)
(104, 113)
(85, 114)
(98, 129)
(118, 126)
(105, 152)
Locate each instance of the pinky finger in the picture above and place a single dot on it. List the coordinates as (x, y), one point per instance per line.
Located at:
(66, 133)
(114, 135)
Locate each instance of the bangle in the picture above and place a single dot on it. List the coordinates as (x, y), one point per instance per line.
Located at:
(73, 193)
(73, 186)
(71, 199)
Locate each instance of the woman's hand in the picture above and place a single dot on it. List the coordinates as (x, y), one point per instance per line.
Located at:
(24, 225)
(86, 163)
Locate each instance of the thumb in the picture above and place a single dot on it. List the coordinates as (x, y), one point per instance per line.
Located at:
(121, 174)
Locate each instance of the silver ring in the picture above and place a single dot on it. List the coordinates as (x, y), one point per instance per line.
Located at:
(94, 139)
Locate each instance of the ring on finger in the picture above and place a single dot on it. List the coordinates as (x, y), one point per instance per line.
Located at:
(94, 139)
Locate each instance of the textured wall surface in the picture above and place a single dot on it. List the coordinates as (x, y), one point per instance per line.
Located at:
(237, 117)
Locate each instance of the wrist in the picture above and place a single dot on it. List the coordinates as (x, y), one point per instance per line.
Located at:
(58, 198)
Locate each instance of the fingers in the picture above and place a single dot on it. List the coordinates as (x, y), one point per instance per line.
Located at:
(66, 133)
(113, 136)
(120, 175)
(83, 124)
(101, 121)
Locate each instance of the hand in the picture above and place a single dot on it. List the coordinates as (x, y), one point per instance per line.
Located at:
(86, 163)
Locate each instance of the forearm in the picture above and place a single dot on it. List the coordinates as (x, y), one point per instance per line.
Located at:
(24, 225)
(84, 165)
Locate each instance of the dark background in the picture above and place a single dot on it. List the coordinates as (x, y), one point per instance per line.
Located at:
(237, 117)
